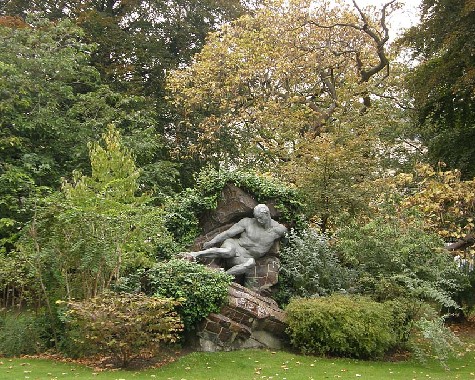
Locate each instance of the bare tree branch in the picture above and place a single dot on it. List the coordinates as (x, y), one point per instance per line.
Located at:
(379, 38)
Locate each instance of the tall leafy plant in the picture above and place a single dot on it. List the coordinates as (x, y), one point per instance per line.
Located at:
(52, 104)
(96, 229)
(310, 267)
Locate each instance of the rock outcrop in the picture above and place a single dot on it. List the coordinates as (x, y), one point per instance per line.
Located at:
(249, 320)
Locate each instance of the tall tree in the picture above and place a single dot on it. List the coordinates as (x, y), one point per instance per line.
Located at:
(443, 83)
(96, 230)
(52, 103)
(291, 89)
(138, 40)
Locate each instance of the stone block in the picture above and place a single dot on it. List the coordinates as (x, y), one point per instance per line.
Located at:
(248, 320)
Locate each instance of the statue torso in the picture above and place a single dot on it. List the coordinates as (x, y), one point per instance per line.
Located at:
(257, 239)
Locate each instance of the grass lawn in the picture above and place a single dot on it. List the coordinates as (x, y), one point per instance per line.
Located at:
(247, 365)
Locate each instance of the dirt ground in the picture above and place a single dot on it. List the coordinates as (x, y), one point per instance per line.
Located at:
(464, 330)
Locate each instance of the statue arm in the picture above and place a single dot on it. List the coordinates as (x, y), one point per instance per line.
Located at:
(234, 230)
(285, 231)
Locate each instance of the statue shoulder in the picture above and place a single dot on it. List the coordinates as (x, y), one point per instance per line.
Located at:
(279, 228)
(245, 221)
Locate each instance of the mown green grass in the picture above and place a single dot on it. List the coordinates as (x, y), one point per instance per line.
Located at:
(247, 365)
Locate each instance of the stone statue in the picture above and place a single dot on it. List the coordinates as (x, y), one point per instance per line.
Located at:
(244, 242)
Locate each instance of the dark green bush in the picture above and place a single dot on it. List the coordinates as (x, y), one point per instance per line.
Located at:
(21, 333)
(124, 325)
(202, 290)
(309, 267)
(341, 325)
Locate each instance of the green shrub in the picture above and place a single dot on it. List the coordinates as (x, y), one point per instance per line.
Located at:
(405, 312)
(309, 267)
(397, 260)
(431, 338)
(20, 334)
(124, 325)
(341, 325)
(202, 289)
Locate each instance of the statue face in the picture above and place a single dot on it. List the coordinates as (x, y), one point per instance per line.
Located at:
(262, 216)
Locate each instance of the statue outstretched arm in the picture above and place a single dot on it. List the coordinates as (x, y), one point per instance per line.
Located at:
(232, 231)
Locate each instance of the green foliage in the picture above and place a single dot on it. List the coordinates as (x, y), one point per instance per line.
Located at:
(18, 196)
(53, 103)
(310, 267)
(443, 82)
(140, 40)
(253, 98)
(42, 67)
(201, 290)
(84, 239)
(466, 298)
(341, 325)
(125, 325)
(45, 69)
(21, 333)
(263, 187)
(253, 94)
(19, 285)
(432, 339)
(395, 260)
(185, 208)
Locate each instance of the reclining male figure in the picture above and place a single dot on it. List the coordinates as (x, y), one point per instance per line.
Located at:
(244, 242)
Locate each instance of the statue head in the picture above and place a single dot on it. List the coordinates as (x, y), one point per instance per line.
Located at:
(262, 214)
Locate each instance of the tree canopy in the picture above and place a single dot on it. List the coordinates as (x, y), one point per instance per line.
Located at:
(296, 89)
(443, 82)
(122, 121)
(53, 103)
(137, 41)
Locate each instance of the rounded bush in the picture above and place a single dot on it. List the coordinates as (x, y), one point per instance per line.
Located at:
(201, 289)
(123, 325)
(341, 325)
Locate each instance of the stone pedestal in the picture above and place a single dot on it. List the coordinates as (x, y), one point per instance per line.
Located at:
(264, 275)
(249, 320)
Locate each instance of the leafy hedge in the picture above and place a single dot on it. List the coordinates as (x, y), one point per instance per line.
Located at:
(201, 290)
(341, 325)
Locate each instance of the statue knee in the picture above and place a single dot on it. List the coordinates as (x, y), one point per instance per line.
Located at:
(250, 263)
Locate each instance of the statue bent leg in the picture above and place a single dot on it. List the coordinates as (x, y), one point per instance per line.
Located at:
(240, 265)
(215, 252)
